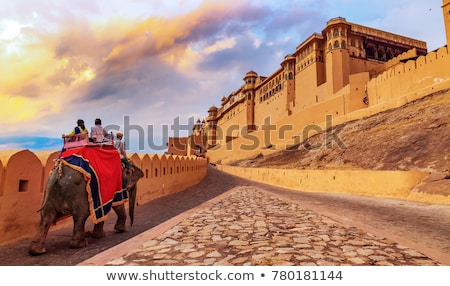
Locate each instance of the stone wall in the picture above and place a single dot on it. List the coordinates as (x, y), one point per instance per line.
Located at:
(382, 184)
(23, 175)
(398, 85)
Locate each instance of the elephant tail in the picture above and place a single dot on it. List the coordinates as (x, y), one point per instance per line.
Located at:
(132, 201)
(52, 179)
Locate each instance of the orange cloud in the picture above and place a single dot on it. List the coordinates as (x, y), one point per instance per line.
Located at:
(156, 36)
(43, 70)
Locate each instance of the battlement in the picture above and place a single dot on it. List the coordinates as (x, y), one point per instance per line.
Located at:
(23, 176)
(347, 71)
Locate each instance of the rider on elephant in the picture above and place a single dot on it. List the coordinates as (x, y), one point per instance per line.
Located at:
(79, 129)
(120, 146)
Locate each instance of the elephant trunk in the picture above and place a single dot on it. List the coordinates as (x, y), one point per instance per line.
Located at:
(132, 202)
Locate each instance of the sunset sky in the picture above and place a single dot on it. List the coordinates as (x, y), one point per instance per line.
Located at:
(148, 64)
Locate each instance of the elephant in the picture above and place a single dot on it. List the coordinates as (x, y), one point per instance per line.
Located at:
(65, 194)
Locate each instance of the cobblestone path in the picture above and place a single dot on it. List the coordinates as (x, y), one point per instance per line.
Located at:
(249, 226)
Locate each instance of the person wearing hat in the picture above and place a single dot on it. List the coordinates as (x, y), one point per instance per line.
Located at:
(120, 146)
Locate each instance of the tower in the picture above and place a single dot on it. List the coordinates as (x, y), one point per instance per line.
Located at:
(337, 54)
(446, 11)
(289, 69)
(211, 128)
(249, 92)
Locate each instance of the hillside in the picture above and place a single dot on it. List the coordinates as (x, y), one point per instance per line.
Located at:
(415, 136)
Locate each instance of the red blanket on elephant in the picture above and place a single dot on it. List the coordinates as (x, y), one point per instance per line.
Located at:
(102, 169)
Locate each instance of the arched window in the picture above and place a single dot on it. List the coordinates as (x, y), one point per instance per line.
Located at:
(389, 54)
(381, 54)
(370, 53)
(336, 44)
(343, 44)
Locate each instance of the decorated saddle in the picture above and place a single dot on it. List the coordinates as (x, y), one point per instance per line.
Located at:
(102, 170)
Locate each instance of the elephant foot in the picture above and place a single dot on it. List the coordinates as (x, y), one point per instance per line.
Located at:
(78, 243)
(96, 234)
(120, 227)
(36, 249)
(98, 231)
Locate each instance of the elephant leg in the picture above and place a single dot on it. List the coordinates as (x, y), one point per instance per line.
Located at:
(121, 218)
(37, 244)
(98, 231)
(78, 239)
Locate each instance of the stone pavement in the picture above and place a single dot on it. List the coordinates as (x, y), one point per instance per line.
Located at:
(250, 226)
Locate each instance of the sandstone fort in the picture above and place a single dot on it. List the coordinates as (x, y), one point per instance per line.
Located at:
(344, 73)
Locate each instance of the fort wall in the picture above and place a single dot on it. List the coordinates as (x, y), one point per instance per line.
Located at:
(23, 175)
(356, 182)
(399, 84)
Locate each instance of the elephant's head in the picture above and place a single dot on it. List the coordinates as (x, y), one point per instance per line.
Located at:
(131, 175)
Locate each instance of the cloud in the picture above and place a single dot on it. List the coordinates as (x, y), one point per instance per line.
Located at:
(154, 61)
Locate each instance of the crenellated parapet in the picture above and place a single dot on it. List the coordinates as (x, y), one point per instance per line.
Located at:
(24, 174)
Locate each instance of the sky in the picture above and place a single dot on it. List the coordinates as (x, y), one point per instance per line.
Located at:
(150, 68)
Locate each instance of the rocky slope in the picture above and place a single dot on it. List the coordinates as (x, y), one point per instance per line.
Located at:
(415, 136)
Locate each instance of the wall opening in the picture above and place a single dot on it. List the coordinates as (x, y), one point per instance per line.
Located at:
(23, 186)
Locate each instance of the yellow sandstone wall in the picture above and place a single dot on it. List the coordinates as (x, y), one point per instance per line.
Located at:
(23, 175)
(382, 184)
(21, 193)
(398, 85)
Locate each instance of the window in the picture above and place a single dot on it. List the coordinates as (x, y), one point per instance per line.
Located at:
(23, 186)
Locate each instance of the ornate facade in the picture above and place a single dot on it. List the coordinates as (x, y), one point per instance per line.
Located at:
(347, 71)
(340, 59)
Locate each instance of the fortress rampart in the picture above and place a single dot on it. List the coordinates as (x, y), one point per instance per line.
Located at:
(402, 82)
(23, 175)
(403, 185)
